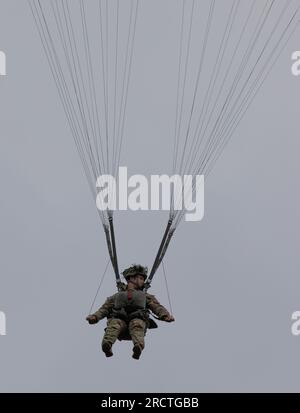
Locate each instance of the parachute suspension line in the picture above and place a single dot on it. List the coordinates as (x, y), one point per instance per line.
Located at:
(60, 82)
(203, 53)
(253, 51)
(80, 90)
(99, 287)
(104, 77)
(120, 117)
(175, 149)
(59, 77)
(248, 93)
(212, 83)
(77, 84)
(245, 100)
(251, 89)
(167, 287)
(92, 88)
(242, 113)
(215, 75)
(179, 107)
(107, 81)
(245, 54)
(194, 144)
(94, 98)
(211, 143)
(116, 80)
(209, 20)
(76, 73)
(218, 120)
(125, 87)
(250, 98)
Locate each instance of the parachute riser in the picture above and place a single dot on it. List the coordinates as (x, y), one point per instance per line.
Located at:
(112, 250)
(161, 249)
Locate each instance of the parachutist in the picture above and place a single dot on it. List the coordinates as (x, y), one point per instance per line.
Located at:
(128, 313)
(203, 127)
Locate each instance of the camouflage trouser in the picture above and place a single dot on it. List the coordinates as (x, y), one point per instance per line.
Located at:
(116, 326)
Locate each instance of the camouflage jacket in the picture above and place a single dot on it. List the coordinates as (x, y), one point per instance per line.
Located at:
(152, 304)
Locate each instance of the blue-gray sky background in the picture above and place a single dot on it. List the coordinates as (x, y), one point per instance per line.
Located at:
(234, 277)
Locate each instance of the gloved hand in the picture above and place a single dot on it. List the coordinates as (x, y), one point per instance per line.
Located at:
(92, 319)
(169, 319)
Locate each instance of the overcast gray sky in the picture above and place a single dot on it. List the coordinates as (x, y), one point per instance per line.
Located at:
(234, 277)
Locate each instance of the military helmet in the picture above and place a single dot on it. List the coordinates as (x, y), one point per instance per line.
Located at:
(135, 270)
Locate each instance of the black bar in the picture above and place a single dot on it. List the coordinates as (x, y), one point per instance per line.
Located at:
(93, 402)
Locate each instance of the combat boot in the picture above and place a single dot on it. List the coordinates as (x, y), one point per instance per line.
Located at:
(106, 348)
(137, 351)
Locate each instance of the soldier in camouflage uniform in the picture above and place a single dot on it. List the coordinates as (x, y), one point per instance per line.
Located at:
(127, 313)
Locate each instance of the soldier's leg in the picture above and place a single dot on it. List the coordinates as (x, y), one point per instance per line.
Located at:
(137, 329)
(114, 328)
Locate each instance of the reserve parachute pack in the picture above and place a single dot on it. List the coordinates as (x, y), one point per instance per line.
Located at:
(130, 304)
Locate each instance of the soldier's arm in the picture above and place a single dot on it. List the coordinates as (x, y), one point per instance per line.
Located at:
(159, 310)
(105, 309)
